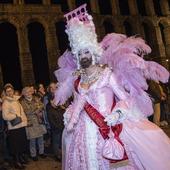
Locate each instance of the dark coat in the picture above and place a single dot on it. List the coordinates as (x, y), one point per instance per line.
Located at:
(55, 117)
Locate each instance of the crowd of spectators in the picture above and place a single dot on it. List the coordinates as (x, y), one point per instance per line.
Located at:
(30, 125)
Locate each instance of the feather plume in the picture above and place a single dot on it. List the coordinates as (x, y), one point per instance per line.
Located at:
(65, 77)
(156, 72)
(125, 56)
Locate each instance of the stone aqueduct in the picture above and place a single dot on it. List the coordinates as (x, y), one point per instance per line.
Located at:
(149, 20)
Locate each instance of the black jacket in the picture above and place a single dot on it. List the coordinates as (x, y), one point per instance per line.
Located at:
(55, 116)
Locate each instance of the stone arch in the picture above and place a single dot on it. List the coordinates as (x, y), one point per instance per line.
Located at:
(164, 21)
(164, 25)
(33, 19)
(149, 21)
(12, 20)
(9, 55)
(38, 49)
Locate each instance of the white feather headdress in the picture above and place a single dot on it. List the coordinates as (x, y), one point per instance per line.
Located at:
(81, 33)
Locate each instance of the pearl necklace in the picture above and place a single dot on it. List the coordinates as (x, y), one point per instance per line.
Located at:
(89, 79)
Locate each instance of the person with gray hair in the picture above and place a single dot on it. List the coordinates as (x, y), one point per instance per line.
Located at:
(35, 129)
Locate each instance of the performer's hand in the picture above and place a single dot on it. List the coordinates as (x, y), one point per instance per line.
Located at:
(112, 119)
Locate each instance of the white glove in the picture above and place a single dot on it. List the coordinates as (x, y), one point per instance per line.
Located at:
(67, 115)
(113, 118)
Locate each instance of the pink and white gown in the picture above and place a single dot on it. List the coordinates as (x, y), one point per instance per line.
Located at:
(146, 145)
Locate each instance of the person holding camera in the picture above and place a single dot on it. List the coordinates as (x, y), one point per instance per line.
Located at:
(13, 113)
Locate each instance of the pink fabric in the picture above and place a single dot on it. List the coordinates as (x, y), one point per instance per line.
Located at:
(112, 149)
(148, 143)
(74, 148)
(156, 72)
(74, 110)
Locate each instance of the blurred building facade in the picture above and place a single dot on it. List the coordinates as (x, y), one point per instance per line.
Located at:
(36, 27)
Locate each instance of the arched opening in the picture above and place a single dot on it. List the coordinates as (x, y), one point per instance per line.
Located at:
(62, 36)
(81, 2)
(157, 7)
(124, 7)
(108, 27)
(37, 44)
(141, 7)
(128, 28)
(9, 55)
(33, 1)
(105, 7)
(63, 3)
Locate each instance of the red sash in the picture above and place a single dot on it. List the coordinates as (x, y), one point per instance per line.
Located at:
(103, 127)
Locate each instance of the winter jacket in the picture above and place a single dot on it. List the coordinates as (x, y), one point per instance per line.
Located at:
(10, 108)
